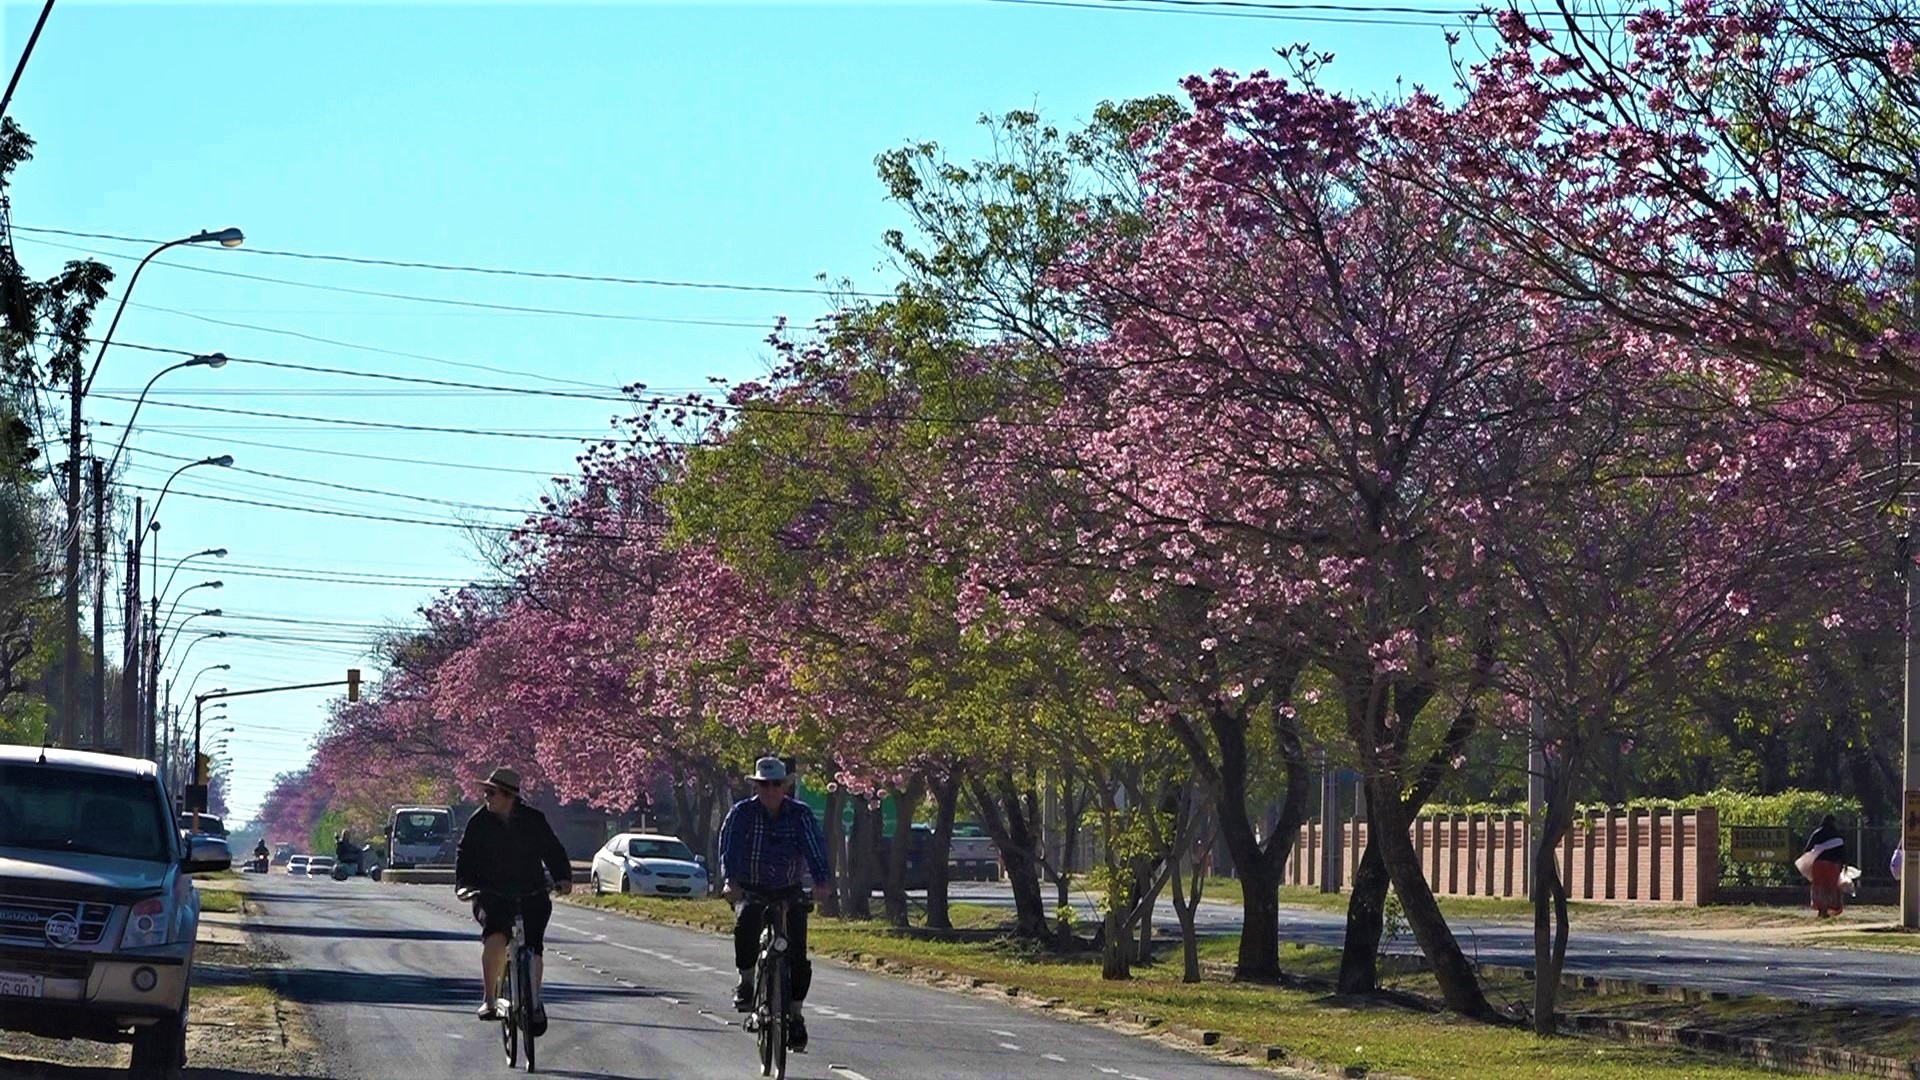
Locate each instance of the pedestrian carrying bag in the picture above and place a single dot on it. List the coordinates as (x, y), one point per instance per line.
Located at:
(1804, 864)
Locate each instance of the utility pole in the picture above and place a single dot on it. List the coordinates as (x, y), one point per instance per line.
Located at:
(99, 729)
(1910, 798)
(136, 734)
(70, 614)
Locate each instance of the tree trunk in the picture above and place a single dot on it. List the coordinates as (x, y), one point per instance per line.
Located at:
(1186, 906)
(1005, 822)
(1144, 955)
(946, 801)
(861, 858)
(1550, 907)
(1366, 920)
(906, 803)
(1113, 945)
(1389, 824)
(835, 828)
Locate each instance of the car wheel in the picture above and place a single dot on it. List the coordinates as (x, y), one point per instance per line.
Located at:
(626, 884)
(160, 1050)
(593, 882)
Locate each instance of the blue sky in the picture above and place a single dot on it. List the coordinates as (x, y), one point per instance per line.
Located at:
(725, 143)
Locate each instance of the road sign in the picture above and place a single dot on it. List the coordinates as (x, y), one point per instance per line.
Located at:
(1912, 831)
(195, 799)
(1761, 844)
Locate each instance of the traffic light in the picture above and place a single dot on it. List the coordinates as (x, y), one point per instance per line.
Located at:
(200, 768)
(353, 684)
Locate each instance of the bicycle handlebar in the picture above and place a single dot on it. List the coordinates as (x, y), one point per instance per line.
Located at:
(798, 897)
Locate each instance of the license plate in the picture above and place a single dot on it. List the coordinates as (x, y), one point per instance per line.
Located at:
(675, 888)
(12, 985)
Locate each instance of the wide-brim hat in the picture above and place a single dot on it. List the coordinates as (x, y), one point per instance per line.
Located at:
(505, 779)
(770, 770)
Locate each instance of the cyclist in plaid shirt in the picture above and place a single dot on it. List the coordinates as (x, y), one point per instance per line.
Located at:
(765, 844)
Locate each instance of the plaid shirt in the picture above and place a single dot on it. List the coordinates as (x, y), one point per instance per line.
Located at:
(765, 853)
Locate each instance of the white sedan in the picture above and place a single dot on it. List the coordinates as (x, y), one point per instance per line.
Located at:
(297, 865)
(647, 864)
(320, 866)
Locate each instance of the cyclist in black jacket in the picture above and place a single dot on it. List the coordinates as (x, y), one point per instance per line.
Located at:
(508, 847)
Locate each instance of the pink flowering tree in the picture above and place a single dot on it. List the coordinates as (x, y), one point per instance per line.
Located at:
(1668, 526)
(1726, 174)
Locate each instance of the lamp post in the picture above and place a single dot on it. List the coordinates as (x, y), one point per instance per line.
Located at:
(221, 461)
(138, 700)
(209, 360)
(183, 595)
(202, 671)
(176, 627)
(81, 381)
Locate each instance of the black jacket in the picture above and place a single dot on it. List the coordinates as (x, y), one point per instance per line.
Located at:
(508, 856)
(1837, 853)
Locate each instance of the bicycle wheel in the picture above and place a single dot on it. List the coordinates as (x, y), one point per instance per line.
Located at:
(763, 1020)
(777, 1020)
(509, 1027)
(523, 970)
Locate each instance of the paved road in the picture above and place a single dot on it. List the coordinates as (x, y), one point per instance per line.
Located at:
(388, 974)
(1876, 980)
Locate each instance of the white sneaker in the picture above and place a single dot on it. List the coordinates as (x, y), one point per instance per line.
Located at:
(489, 1010)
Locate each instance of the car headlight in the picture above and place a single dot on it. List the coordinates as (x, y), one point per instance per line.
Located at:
(638, 870)
(146, 925)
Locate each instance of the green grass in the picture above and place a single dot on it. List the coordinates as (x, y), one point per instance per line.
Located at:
(1332, 1032)
(224, 901)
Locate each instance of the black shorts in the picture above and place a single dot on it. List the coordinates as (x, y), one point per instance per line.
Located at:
(495, 916)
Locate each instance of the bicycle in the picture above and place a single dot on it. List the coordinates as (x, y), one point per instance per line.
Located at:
(771, 977)
(513, 997)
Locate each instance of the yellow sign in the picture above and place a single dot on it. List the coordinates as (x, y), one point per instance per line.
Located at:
(1761, 844)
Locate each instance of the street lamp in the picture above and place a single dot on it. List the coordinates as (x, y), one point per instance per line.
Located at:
(203, 637)
(83, 380)
(183, 595)
(153, 611)
(209, 360)
(202, 671)
(176, 627)
(218, 553)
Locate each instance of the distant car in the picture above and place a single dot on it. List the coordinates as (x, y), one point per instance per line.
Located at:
(98, 919)
(648, 864)
(297, 865)
(319, 866)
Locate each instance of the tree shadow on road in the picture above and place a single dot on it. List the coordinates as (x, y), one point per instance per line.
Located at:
(332, 986)
(396, 933)
(49, 1070)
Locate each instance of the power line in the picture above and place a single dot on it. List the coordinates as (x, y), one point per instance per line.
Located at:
(325, 512)
(455, 503)
(549, 275)
(375, 349)
(416, 298)
(182, 433)
(1303, 15)
(379, 424)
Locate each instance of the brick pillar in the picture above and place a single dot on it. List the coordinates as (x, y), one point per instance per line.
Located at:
(1635, 885)
(1656, 822)
(1612, 841)
(1706, 855)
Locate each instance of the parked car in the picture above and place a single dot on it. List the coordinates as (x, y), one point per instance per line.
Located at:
(98, 914)
(648, 864)
(319, 866)
(969, 857)
(297, 865)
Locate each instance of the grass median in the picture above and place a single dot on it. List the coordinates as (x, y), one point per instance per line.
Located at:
(1397, 1034)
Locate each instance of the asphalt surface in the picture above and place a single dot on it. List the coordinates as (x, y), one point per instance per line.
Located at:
(1880, 981)
(389, 976)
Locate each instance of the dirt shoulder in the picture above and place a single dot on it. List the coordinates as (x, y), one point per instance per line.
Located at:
(238, 1027)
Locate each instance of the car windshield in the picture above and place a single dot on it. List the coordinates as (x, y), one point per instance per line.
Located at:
(423, 827)
(92, 813)
(326, 860)
(659, 849)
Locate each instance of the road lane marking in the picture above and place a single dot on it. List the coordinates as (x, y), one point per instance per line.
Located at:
(1055, 1057)
(1009, 1046)
(1002, 1034)
(844, 1073)
(1109, 1072)
(721, 1020)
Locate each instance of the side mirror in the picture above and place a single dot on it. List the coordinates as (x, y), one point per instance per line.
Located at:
(206, 855)
(700, 860)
